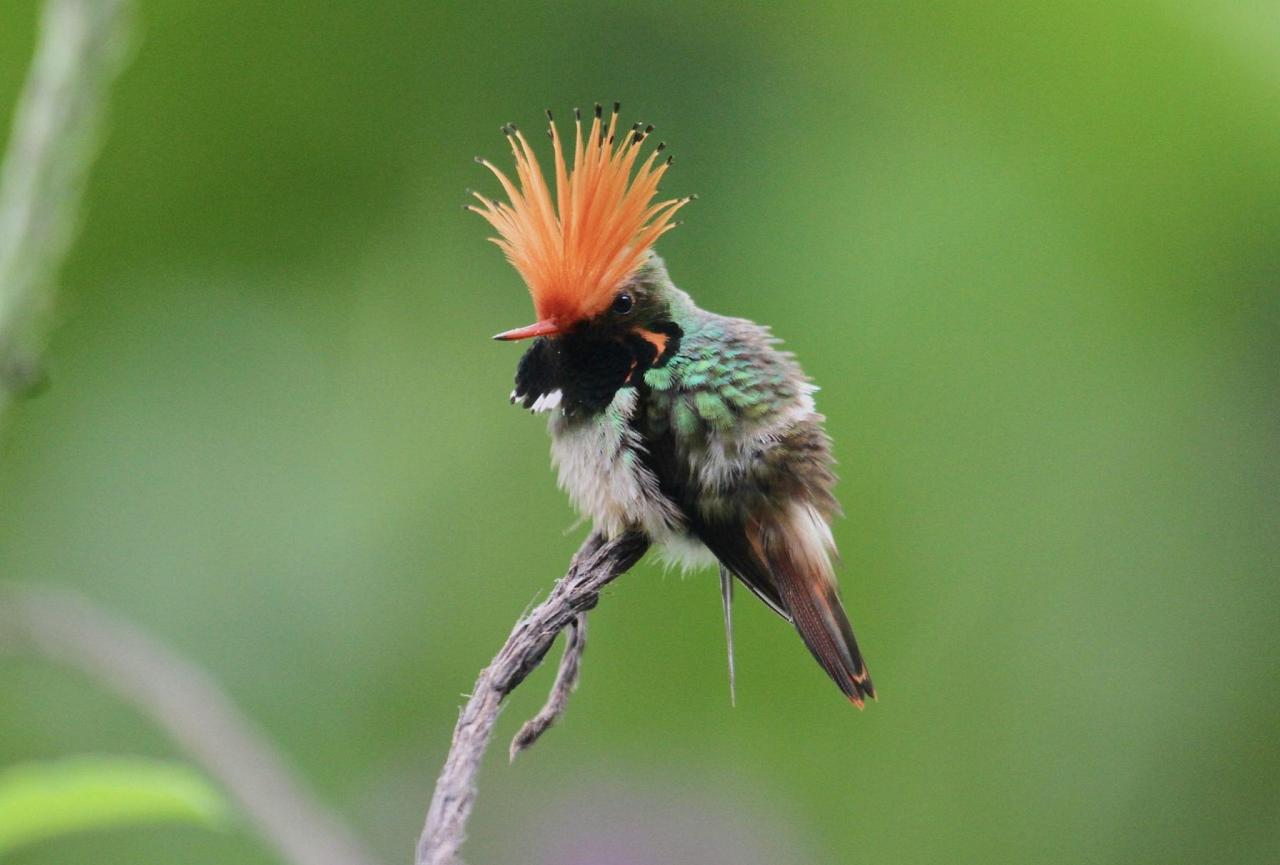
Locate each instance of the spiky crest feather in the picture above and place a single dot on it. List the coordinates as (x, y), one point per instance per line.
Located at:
(574, 254)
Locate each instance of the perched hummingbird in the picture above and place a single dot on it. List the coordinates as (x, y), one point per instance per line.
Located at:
(665, 418)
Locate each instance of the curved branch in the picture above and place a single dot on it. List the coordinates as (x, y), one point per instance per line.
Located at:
(189, 705)
(595, 565)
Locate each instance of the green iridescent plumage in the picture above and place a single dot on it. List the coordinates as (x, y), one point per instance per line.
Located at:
(726, 372)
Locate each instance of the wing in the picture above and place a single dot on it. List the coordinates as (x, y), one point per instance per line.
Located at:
(777, 541)
(733, 438)
(790, 548)
(781, 549)
(677, 483)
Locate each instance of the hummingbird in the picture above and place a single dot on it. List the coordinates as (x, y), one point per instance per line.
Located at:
(691, 427)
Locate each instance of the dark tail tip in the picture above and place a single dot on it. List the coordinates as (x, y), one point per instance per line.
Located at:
(824, 627)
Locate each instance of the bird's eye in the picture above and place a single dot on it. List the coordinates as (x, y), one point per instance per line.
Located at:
(623, 303)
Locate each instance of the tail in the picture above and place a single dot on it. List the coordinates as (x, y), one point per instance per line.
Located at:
(824, 627)
(797, 552)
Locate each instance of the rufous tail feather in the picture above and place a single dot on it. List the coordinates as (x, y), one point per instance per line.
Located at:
(801, 568)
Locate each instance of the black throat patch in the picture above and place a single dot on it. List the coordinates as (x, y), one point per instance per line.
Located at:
(588, 367)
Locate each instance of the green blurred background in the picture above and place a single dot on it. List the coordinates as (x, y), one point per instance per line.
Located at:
(1029, 253)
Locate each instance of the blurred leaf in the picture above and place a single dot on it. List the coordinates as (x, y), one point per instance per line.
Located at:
(45, 800)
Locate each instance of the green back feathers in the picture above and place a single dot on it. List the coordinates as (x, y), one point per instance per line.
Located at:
(726, 374)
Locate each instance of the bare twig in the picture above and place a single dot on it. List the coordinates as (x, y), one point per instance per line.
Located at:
(53, 142)
(190, 706)
(594, 566)
(575, 643)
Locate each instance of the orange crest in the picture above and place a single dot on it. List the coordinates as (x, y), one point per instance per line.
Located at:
(575, 252)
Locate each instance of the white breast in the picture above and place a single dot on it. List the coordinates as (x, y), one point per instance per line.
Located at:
(600, 468)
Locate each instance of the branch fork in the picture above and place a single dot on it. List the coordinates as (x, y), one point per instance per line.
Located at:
(596, 564)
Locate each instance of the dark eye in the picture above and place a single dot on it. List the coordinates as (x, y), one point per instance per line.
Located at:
(623, 303)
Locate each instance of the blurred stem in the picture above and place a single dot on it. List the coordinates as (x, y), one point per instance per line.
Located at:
(54, 138)
(191, 707)
(55, 134)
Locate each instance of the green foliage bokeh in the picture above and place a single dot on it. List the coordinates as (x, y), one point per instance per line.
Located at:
(42, 801)
(1029, 253)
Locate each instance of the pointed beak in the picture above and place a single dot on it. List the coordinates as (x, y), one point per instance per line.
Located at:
(546, 327)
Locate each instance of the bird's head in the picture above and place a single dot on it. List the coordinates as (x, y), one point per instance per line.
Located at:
(586, 253)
